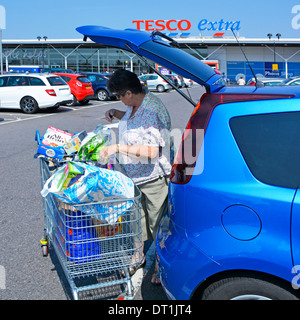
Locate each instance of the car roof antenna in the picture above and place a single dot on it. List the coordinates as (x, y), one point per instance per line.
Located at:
(257, 83)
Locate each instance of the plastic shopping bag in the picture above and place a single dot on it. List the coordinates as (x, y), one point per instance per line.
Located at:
(92, 185)
(90, 149)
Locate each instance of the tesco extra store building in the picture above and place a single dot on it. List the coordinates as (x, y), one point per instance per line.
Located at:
(215, 44)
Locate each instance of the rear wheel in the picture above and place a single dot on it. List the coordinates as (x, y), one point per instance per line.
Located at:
(84, 101)
(247, 288)
(29, 105)
(160, 88)
(102, 95)
(73, 103)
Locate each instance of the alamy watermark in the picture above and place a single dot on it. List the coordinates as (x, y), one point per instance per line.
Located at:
(179, 147)
(296, 19)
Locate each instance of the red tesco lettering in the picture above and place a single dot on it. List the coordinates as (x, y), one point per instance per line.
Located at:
(161, 25)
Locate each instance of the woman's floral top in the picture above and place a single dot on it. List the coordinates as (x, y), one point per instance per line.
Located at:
(150, 125)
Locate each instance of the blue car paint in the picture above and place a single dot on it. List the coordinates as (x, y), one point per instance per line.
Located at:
(98, 85)
(226, 181)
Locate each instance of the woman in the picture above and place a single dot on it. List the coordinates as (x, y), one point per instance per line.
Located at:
(144, 148)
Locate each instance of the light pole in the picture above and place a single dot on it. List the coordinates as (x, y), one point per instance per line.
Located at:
(278, 35)
(43, 53)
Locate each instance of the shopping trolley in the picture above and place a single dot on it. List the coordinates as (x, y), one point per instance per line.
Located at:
(87, 247)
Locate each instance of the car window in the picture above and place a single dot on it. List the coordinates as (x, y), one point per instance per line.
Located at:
(67, 79)
(3, 81)
(56, 81)
(17, 81)
(270, 146)
(153, 77)
(143, 78)
(83, 79)
(295, 83)
(274, 83)
(36, 81)
(92, 78)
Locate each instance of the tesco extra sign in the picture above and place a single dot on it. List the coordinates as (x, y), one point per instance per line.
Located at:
(185, 25)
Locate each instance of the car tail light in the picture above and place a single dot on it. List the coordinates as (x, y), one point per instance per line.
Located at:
(185, 160)
(79, 84)
(51, 92)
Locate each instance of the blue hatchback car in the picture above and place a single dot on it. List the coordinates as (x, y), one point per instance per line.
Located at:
(231, 231)
(99, 81)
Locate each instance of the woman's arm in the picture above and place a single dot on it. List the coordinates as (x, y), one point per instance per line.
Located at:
(131, 151)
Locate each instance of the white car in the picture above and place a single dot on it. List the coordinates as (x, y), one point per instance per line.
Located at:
(33, 91)
(187, 82)
(154, 82)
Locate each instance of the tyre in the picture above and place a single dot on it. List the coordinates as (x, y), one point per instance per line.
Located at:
(102, 95)
(29, 105)
(160, 88)
(84, 101)
(247, 288)
(73, 103)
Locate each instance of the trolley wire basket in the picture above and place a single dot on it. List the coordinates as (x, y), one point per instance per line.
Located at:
(87, 246)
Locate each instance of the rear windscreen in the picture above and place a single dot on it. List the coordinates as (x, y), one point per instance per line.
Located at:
(56, 81)
(83, 79)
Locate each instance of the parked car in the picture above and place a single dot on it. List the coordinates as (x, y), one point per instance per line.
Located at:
(180, 80)
(173, 79)
(81, 87)
(33, 91)
(187, 83)
(99, 81)
(293, 81)
(155, 82)
(266, 81)
(232, 228)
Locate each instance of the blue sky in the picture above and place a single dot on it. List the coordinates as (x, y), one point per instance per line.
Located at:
(57, 19)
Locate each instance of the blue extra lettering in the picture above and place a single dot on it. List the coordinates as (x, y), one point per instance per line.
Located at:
(236, 25)
(212, 26)
(201, 24)
(220, 25)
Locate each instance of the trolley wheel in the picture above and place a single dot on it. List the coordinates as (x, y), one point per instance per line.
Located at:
(44, 246)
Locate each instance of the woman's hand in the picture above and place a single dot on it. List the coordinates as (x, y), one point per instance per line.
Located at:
(114, 113)
(105, 152)
(109, 115)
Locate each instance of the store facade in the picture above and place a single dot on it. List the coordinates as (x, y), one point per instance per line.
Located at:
(268, 57)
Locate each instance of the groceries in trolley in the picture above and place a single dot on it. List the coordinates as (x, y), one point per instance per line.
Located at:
(51, 145)
(83, 146)
(92, 214)
(74, 144)
(81, 183)
(91, 147)
(76, 235)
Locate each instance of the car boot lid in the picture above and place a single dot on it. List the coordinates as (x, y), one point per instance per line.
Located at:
(153, 46)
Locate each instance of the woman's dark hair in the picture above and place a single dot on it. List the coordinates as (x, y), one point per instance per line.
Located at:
(122, 80)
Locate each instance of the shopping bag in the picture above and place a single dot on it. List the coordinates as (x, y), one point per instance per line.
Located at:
(90, 148)
(92, 186)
